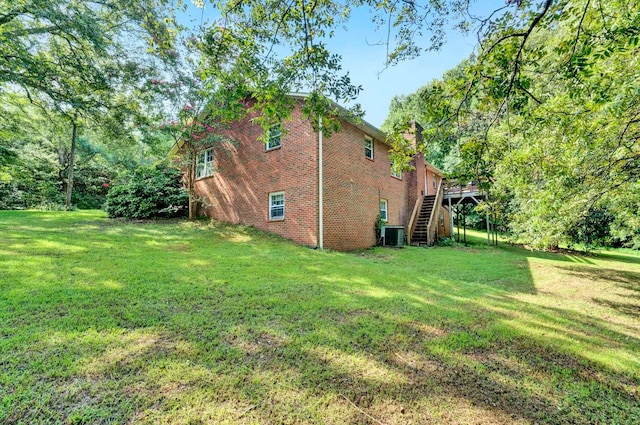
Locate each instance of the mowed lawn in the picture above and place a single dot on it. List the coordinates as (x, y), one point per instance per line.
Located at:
(106, 321)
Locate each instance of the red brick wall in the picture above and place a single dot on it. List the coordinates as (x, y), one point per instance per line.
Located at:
(245, 174)
(353, 186)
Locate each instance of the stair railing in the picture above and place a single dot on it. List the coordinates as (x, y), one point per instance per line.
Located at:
(413, 220)
(436, 206)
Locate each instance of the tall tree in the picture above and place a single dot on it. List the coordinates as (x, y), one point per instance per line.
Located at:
(69, 56)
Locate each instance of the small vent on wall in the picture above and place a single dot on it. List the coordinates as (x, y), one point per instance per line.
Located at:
(392, 235)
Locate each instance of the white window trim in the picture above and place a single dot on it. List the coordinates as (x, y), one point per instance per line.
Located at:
(271, 206)
(369, 140)
(385, 209)
(272, 130)
(204, 164)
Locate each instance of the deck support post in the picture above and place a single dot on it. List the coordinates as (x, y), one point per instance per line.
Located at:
(464, 222)
(488, 231)
(450, 220)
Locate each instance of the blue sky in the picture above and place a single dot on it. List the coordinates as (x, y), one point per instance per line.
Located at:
(365, 62)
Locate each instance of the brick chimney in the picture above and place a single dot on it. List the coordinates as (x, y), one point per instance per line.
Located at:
(414, 134)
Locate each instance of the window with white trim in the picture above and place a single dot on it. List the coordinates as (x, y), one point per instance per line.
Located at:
(368, 147)
(276, 206)
(274, 137)
(383, 210)
(435, 181)
(394, 173)
(204, 163)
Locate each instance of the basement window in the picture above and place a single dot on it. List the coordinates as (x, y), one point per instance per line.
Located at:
(383, 210)
(274, 139)
(276, 206)
(368, 147)
(204, 164)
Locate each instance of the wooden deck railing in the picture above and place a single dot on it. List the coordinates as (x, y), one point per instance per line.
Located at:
(414, 216)
(454, 188)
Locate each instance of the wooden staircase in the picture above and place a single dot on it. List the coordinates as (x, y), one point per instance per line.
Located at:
(420, 235)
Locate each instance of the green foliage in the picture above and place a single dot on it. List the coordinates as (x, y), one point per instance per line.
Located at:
(64, 50)
(92, 184)
(31, 178)
(77, 67)
(148, 192)
(442, 241)
(378, 228)
(545, 118)
(593, 230)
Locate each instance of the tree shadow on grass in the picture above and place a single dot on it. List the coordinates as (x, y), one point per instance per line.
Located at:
(395, 376)
(624, 278)
(206, 334)
(622, 258)
(626, 300)
(629, 309)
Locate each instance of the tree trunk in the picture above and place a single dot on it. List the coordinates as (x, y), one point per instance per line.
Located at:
(464, 223)
(192, 207)
(458, 223)
(191, 189)
(72, 161)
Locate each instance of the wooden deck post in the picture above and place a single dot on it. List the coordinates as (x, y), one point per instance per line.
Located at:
(450, 220)
(488, 237)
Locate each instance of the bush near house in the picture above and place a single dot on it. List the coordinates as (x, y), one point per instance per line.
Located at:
(148, 192)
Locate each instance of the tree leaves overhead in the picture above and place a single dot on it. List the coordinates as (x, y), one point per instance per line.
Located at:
(548, 115)
(60, 48)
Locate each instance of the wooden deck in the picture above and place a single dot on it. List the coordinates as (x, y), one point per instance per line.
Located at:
(457, 194)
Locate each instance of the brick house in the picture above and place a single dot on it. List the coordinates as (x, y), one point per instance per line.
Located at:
(315, 190)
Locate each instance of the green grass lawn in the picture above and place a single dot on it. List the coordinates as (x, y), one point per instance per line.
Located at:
(107, 321)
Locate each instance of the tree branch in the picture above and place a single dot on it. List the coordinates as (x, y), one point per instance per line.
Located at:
(8, 17)
(575, 43)
(516, 62)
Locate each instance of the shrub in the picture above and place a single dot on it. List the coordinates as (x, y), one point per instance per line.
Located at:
(593, 230)
(378, 228)
(148, 192)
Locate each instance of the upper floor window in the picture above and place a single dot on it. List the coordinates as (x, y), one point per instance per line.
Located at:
(276, 206)
(383, 210)
(394, 172)
(368, 147)
(204, 163)
(274, 137)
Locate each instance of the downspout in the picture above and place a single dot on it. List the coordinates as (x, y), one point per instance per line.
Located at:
(320, 189)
